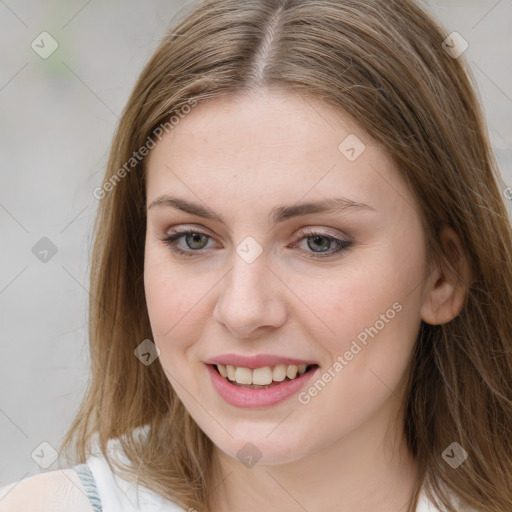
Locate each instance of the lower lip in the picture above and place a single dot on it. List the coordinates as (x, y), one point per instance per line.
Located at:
(252, 398)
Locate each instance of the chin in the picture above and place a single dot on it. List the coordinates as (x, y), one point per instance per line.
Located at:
(251, 444)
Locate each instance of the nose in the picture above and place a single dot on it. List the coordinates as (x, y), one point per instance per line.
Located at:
(251, 299)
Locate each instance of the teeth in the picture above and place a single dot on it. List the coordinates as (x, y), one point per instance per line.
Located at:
(261, 376)
(243, 375)
(291, 371)
(279, 373)
(222, 370)
(230, 371)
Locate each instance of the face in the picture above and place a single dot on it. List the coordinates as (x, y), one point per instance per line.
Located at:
(260, 283)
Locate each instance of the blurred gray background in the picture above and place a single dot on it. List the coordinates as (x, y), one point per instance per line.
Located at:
(58, 115)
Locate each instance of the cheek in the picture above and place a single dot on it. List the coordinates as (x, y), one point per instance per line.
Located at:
(370, 312)
(375, 318)
(172, 302)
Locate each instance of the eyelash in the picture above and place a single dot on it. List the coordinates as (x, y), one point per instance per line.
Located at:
(172, 239)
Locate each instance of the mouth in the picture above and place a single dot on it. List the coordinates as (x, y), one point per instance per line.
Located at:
(264, 377)
(259, 380)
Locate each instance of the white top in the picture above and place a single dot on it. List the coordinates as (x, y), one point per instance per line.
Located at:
(117, 494)
(62, 490)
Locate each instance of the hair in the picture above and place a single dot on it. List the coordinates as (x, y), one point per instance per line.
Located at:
(381, 62)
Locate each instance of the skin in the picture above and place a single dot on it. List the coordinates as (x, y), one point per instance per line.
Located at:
(344, 450)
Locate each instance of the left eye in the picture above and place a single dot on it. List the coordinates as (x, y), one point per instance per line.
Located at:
(197, 241)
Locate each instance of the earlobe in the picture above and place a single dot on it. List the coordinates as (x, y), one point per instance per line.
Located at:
(447, 285)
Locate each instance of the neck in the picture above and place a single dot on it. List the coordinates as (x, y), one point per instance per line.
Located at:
(369, 469)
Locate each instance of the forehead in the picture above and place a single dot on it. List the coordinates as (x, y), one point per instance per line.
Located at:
(286, 124)
(277, 145)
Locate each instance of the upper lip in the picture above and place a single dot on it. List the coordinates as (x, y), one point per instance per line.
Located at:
(256, 361)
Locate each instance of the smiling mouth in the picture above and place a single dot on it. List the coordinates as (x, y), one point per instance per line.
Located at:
(264, 377)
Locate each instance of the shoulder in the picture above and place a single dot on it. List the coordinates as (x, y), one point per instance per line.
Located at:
(53, 491)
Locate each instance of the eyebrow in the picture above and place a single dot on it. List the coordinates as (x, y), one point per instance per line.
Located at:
(277, 214)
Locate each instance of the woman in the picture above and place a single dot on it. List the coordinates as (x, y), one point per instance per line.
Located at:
(302, 276)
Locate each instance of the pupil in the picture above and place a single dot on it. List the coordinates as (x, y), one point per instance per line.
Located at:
(196, 237)
(316, 241)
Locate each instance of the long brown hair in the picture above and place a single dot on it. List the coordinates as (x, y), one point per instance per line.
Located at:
(382, 62)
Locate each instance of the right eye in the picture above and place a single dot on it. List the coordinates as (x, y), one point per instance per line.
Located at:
(194, 239)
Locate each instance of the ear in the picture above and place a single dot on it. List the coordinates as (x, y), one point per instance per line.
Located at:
(447, 286)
